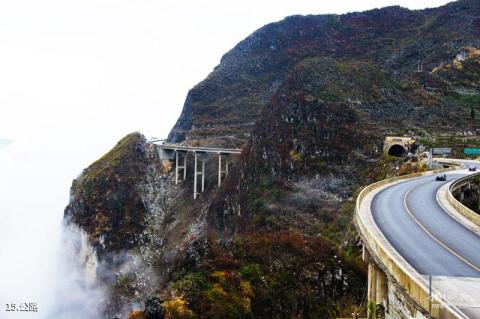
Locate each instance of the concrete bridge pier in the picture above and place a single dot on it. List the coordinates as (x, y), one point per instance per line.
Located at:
(169, 153)
(179, 167)
(222, 173)
(460, 191)
(199, 157)
(372, 284)
(377, 283)
(463, 189)
(381, 288)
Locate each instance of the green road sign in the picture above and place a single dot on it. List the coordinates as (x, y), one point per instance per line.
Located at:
(471, 151)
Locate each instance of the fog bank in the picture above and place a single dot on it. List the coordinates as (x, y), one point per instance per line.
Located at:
(39, 255)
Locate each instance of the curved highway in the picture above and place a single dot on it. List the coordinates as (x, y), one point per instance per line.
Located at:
(423, 233)
(427, 237)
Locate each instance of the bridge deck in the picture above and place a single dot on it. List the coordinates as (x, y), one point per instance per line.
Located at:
(196, 149)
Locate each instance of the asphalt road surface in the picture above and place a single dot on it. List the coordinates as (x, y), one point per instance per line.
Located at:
(425, 235)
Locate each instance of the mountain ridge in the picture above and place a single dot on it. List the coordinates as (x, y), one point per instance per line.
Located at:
(246, 58)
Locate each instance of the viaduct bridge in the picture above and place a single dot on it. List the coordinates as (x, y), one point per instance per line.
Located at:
(179, 154)
(421, 245)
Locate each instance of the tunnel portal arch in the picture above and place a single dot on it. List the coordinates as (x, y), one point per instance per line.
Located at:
(399, 146)
(397, 150)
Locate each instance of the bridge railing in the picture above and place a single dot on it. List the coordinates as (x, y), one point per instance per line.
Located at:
(392, 263)
(462, 209)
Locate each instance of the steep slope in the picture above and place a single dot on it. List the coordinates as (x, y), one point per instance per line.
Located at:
(224, 106)
(106, 200)
(310, 100)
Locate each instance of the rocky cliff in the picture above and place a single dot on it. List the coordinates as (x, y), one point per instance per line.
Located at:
(309, 99)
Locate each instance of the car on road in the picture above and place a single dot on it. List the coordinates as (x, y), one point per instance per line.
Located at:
(472, 168)
(441, 178)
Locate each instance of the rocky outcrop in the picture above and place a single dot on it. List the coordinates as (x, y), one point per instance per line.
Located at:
(109, 199)
(135, 221)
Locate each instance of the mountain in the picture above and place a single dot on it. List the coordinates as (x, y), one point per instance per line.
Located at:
(226, 104)
(309, 100)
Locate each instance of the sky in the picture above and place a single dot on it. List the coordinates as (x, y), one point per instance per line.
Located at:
(88, 72)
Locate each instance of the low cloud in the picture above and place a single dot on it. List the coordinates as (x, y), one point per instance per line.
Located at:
(77, 295)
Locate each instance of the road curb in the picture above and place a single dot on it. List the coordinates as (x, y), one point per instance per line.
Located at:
(457, 206)
(450, 205)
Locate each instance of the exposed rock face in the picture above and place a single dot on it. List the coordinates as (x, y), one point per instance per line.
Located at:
(309, 99)
(225, 106)
(109, 200)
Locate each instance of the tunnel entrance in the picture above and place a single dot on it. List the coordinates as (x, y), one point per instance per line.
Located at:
(397, 150)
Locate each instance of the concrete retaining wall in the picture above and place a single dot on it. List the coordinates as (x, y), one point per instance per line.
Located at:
(462, 209)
